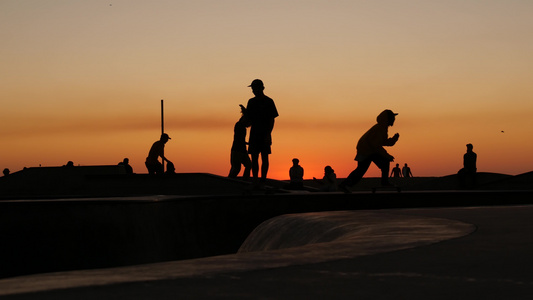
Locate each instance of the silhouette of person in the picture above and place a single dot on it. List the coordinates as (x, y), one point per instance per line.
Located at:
(157, 150)
(261, 111)
(296, 175)
(470, 159)
(370, 149)
(467, 175)
(6, 171)
(239, 154)
(329, 181)
(126, 163)
(170, 168)
(406, 171)
(396, 171)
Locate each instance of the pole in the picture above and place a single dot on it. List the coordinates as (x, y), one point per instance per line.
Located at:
(163, 130)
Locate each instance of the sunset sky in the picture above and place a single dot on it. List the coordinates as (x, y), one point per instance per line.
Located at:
(82, 80)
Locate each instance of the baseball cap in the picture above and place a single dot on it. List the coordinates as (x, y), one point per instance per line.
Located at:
(391, 113)
(257, 83)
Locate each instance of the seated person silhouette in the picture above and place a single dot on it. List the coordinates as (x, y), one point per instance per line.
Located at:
(127, 167)
(296, 175)
(170, 168)
(370, 149)
(329, 181)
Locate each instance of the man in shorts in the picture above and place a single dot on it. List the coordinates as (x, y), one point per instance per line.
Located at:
(261, 111)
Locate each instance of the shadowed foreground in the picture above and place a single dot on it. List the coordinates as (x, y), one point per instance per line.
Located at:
(415, 245)
(279, 242)
(493, 262)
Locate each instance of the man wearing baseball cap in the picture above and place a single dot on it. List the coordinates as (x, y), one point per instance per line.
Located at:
(370, 149)
(152, 163)
(261, 111)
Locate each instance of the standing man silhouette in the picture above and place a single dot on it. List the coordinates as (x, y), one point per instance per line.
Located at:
(467, 175)
(406, 171)
(261, 111)
(396, 171)
(469, 160)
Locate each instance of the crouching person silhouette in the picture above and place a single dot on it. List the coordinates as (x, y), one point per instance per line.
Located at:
(157, 150)
(370, 149)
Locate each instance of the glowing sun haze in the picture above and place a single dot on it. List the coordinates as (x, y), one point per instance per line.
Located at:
(83, 80)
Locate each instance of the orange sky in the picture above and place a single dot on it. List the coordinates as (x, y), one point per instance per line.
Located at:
(83, 80)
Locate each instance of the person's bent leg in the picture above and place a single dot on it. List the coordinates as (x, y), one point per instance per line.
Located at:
(356, 175)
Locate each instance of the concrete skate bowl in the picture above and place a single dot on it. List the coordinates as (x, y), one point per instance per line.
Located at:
(314, 237)
(286, 240)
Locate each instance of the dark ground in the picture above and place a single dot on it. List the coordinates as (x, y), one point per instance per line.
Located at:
(493, 262)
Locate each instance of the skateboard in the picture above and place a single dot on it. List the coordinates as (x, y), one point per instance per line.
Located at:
(386, 188)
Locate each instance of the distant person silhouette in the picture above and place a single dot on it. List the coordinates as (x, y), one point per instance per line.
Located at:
(6, 171)
(157, 150)
(170, 168)
(329, 181)
(296, 175)
(406, 171)
(370, 149)
(467, 175)
(396, 171)
(127, 167)
(239, 154)
(261, 111)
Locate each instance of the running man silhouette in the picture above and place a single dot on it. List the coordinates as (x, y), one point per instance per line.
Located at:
(261, 111)
(370, 149)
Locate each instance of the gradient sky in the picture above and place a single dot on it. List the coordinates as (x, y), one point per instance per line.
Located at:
(82, 80)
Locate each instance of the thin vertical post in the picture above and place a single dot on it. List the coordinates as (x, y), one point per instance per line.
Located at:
(163, 130)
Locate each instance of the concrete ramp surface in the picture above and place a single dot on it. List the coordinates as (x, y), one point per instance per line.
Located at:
(364, 231)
